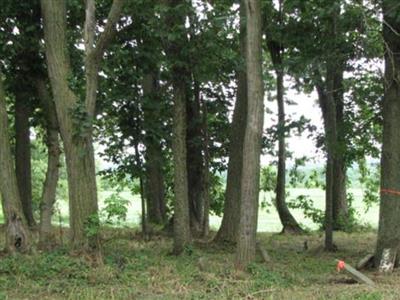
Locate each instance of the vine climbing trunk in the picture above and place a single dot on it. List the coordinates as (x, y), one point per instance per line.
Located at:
(18, 237)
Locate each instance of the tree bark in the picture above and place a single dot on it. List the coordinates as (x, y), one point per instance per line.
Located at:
(206, 171)
(180, 75)
(340, 205)
(17, 233)
(75, 119)
(46, 236)
(228, 230)
(154, 177)
(23, 154)
(389, 221)
(195, 164)
(246, 239)
(327, 104)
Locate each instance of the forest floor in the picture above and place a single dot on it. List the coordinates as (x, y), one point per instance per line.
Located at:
(138, 269)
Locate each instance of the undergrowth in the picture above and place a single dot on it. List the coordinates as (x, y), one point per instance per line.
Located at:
(138, 269)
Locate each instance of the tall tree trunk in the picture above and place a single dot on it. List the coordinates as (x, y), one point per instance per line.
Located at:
(288, 221)
(17, 233)
(23, 154)
(229, 227)
(389, 221)
(276, 50)
(75, 118)
(327, 104)
(194, 159)
(154, 177)
(340, 205)
(250, 189)
(206, 171)
(46, 236)
(180, 76)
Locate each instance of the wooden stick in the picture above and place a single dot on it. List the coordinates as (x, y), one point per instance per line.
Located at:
(360, 277)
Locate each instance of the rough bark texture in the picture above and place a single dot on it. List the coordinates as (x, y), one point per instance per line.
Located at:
(230, 220)
(154, 182)
(340, 205)
(246, 239)
(76, 130)
(180, 75)
(23, 154)
(194, 158)
(46, 236)
(327, 104)
(389, 221)
(17, 233)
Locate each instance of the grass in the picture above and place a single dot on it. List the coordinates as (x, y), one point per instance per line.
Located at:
(268, 220)
(138, 269)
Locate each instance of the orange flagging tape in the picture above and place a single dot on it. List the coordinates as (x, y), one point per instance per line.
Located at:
(391, 192)
(340, 265)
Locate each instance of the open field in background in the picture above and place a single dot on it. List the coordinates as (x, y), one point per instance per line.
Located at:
(268, 220)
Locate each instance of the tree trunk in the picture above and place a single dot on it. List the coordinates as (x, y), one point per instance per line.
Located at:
(389, 221)
(340, 206)
(75, 118)
(195, 165)
(23, 154)
(288, 221)
(327, 104)
(46, 236)
(182, 234)
(250, 189)
(180, 75)
(227, 233)
(154, 180)
(206, 171)
(17, 233)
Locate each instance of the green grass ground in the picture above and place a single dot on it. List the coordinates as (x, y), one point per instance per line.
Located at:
(136, 269)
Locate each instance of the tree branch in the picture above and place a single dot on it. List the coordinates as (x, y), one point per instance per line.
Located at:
(109, 30)
(90, 26)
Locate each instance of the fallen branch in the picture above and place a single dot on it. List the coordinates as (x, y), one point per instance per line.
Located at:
(360, 277)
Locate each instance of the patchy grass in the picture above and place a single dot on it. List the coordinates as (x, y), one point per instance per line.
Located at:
(138, 269)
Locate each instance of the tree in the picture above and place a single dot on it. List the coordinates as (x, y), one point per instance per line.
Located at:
(75, 116)
(228, 231)
(46, 238)
(389, 222)
(23, 111)
(180, 75)
(276, 49)
(17, 233)
(250, 181)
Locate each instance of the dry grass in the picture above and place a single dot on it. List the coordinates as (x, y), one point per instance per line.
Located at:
(136, 269)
